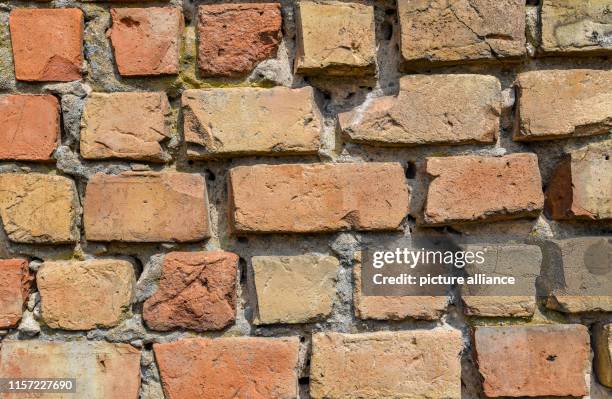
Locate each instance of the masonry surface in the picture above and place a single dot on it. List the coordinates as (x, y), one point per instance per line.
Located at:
(186, 188)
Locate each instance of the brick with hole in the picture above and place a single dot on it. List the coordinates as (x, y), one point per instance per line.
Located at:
(15, 282)
(147, 41)
(29, 127)
(228, 368)
(47, 44)
(197, 291)
(306, 198)
(234, 38)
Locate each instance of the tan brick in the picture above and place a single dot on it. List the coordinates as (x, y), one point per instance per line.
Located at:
(39, 209)
(294, 289)
(476, 188)
(29, 127)
(576, 26)
(533, 360)
(577, 274)
(430, 109)
(125, 125)
(47, 43)
(15, 282)
(580, 186)
(234, 38)
(102, 370)
(146, 207)
(563, 103)
(197, 291)
(603, 353)
(227, 368)
(85, 295)
(451, 32)
(335, 38)
(318, 197)
(146, 41)
(264, 121)
(382, 364)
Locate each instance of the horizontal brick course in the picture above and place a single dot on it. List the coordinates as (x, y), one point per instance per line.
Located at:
(15, 282)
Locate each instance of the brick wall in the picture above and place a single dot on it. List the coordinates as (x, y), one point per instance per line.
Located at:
(186, 188)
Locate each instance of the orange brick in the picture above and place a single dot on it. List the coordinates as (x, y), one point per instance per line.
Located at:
(15, 282)
(47, 44)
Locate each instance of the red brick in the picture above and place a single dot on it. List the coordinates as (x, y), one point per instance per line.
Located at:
(146, 207)
(228, 368)
(475, 188)
(47, 44)
(547, 360)
(197, 291)
(146, 41)
(29, 127)
(234, 38)
(318, 197)
(15, 282)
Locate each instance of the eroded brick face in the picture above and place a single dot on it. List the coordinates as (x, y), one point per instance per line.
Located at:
(197, 291)
(603, 353)
(29, 127)
(226, 367)
(15, 282)
(234, 38)
(47, 44)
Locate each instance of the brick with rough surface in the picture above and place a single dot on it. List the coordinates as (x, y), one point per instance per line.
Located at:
(85, 295)
(29, 127)
(197, 291)
(102, 370)
(229, 368)
(47, 44)
(576, 26)
(305, 198)
(335, 38)
(533, 360)
(451, 32)
(603, 353)
(478, 188)
(39, 209)
(146, 41)
(234, 38)
(126, 126)
(578, 103)
(264, 121)
(294, 289)
(406, 364)
(146, 207)
(429, 109)
(580, 187)
(15, 283)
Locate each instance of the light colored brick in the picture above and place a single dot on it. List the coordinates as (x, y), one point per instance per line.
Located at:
(406, 364)
(318, 197)
(146, 41)
(85, 295)
(15, 282)
(264, 121)
(563, 103)
(197, 291)
(335, 38)
(234, 38)
(576, 26)
(39, 209)
(603, 353)
(125, 125)
(29, 127)
(102, 370)
(429, 109)
(146, 207)
(580, 186)
(477, 188)
(228, 368)
(294, 289)
(533, 360)
(452, 32)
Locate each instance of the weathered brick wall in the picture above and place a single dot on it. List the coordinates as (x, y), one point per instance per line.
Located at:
(186, 187)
